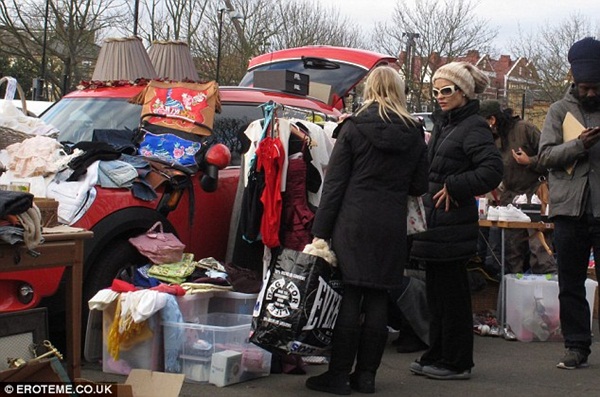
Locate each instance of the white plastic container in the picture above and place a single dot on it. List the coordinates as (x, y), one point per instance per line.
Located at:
(232, 302)
(145, 351)
(532, 306)
(194, 305)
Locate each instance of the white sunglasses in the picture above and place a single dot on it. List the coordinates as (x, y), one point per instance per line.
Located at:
(446, 91)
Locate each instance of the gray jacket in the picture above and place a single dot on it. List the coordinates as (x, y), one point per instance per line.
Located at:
(570, 192)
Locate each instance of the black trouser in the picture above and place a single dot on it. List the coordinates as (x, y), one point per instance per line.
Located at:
(451, 322)
(360, 330)
(573, 239)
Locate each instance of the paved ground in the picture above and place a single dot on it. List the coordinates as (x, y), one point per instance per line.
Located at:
(502, 368)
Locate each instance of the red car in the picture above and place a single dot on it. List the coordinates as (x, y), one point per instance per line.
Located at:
(200, 219)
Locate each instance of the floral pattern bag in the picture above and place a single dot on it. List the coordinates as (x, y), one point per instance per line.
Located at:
(415, 218)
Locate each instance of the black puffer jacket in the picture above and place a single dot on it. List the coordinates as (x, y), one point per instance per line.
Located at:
(462, 155)
(373, 167)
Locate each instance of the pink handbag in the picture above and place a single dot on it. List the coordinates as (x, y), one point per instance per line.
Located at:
(158, 246)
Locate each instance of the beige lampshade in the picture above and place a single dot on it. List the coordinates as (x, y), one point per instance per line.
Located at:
(173, 60)
(123, 59)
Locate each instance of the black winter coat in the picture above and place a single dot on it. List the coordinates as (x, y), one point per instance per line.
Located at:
(462, 155)
(373, 167)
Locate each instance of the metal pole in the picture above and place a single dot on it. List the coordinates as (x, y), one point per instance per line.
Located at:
(220, 32)
(39, 91)
(136, 11)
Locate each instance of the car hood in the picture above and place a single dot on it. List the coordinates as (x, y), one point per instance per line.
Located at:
(340, 68)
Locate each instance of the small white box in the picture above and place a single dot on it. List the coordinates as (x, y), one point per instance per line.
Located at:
(226, 368)
(532, 306)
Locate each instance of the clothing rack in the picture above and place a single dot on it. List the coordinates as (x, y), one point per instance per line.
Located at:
(270, 110)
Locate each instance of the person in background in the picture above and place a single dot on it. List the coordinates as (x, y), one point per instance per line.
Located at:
(464, 163)
(379, 158)
(518, 142)
(574, 187)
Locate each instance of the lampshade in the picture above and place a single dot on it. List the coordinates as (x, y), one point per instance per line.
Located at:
(173, 60)
(123, 59)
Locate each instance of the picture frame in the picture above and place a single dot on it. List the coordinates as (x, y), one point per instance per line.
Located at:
(19, 330)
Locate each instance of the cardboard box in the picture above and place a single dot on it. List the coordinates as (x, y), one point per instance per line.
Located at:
(282, 80)
(320, 91)
(226, 368)
(146, 383)
(143, 383)
(532, 306)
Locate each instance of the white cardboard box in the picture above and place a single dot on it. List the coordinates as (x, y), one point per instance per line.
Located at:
(226, 368)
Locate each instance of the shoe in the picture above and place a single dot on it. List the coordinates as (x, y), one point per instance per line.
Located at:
(330, 382)
(508, 334)
(492, 214)
(573, 359)
(433, 372)
(535, 199)
(363, 382)
(522, 199)
(416, 368)
(511, 213)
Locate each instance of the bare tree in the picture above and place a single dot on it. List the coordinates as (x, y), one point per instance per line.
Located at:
(72, 29)
(447, 28)
(547, 48)
(169, 20)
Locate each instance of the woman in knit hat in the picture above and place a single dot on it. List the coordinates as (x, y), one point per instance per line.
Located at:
(464, 163)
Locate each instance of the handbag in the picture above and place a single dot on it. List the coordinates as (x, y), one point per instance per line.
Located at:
(158, 246)
(298, 304)
(415, 215)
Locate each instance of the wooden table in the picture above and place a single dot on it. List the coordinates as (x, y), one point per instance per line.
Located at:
(503, 225)
(58, 250)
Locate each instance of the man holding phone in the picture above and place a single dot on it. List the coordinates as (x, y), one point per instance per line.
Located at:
(574, 184)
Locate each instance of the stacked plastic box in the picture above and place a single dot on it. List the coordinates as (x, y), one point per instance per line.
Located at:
(143, 351)
(216, 349)
(532, 306)
(146, 351)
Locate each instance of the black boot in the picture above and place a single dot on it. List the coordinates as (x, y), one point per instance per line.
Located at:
(370, 350)
(336, 380)
(330, 382)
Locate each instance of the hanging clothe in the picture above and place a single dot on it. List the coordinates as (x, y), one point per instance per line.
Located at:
(270, 157)
(297, 216)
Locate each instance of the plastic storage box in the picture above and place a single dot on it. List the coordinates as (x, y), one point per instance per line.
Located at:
(194, 305)
(197, 343)
(144, 352)
(532, 306)
(232, 302)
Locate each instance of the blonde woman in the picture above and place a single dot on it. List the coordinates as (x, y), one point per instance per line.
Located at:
(379, 159)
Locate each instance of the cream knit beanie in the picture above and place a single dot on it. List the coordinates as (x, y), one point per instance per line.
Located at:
(466, 76)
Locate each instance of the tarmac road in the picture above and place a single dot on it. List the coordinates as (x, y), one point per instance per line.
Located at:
(502, 368)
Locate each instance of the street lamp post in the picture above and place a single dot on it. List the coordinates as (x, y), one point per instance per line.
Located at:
(39, 88)
(219, 38)
(232, 15)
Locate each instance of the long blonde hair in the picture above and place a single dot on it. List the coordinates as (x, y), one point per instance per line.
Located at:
(385, 86)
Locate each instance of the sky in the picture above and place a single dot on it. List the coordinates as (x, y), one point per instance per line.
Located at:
(506, 15)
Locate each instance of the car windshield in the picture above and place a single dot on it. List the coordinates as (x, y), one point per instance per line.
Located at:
(340, 76)
(76, 118)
